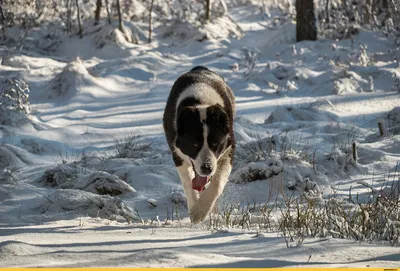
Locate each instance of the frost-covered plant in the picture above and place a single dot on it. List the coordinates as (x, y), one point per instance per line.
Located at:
(301, 217)
(250, 57)
(67, 82)
(259, 171)
(393, 121)
(8, 175)
(371, 84)
(396, 82)
(14, 102)
(363, 58)
(14, 95)
(337, 87)
(131, 146)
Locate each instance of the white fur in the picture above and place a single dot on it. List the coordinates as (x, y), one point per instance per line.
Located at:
(186, 175)
(203, 92)
(205, 154)
(207, 199)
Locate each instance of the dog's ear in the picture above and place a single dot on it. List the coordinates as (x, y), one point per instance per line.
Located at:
(186, 118)
(216, 115)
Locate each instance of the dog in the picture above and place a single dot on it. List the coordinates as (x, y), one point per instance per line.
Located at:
(198, 125)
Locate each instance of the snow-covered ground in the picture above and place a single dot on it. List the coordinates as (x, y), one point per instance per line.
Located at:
(96, 243)
(69, 182)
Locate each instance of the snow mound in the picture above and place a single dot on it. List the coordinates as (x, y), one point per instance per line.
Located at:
(101, 183)
(67, 83)
(340, 163)
(75, 177)
(173, 198)
(288, 167)
(85, 203)
(393, 117)
(108, 35)
(219, 28)
(19, 248)
(222, 27)
(123, 67)
(13, 156)
(294, 114)
(29, 62)
(14, 102)
(180, 30)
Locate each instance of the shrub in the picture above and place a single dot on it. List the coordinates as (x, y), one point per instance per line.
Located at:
(14, 101)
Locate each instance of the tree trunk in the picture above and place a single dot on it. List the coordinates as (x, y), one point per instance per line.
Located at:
(208, 11)
(119, 17)
(150, 21)
(68, 24)
(368, 12)
(80, 32)
(97, 12)
(306, 28)
(327, 11)
(108, 12)
(2, 20)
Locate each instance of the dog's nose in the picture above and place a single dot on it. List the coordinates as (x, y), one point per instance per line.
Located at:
(206, 168)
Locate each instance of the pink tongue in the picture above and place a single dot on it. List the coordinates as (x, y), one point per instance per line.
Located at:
(199, 182)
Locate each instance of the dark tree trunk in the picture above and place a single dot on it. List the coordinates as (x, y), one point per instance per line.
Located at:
(327, 11)
(68, 16)
(108, 12)
(306, 27)
(208, 11)
(150, 21)
(119, 16)
(2, 20)
(80, 31)
(97, 12)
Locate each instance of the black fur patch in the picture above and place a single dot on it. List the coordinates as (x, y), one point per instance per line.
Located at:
(203, 75)
(190, 131)
(218, 125)
(199, 68)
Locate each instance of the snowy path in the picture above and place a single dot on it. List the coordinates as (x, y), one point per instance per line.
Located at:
(86, 243)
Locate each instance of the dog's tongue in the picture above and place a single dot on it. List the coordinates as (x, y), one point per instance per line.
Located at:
(199, 182)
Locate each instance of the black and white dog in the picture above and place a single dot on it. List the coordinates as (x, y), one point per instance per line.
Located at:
(198, 124)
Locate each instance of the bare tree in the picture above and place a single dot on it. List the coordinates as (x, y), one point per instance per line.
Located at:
(2, 20)
(208, 11)
(80, 32)
(97, 12)
(327, 11)
(306, 27)
(150, 21)
(119, 17)
(108, 12)
(68, 24)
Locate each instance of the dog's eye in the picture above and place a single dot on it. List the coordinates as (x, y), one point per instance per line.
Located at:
(195, 145)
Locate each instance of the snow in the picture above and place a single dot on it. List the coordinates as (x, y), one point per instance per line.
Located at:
(70, 185)
(106, 244)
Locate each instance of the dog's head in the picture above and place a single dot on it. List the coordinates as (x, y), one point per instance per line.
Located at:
(203, 134)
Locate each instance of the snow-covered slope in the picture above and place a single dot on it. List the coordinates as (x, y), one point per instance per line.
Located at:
(92, 144)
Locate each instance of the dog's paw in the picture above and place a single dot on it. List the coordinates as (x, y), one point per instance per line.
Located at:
(199, 213)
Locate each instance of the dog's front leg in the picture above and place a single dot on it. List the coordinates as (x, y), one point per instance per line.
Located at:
(186, 174)
(208, 198)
